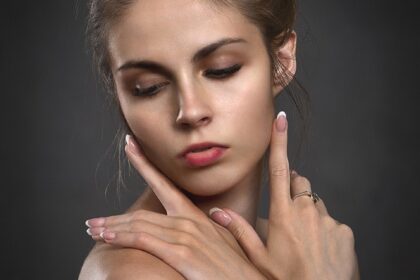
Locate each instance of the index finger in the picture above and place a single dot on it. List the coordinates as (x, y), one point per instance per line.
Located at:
(279, 166)
(172, 199)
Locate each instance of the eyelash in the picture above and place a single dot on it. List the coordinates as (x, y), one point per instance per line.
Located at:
(150, 91)
(223, 73)
(215, 74)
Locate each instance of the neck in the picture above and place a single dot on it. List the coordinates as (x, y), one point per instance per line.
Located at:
(243, 198)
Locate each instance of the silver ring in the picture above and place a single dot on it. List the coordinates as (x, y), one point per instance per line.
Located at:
(315, 198)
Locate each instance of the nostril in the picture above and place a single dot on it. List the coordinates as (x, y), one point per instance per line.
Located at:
(204, 121)
(191, 123)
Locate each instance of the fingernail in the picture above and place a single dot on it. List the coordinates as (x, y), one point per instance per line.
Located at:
(95, 231)
(97, 238)
(96, 222)
(131, 145)
(281, 122)
(294, 172)
(220, 216)
(107, 235)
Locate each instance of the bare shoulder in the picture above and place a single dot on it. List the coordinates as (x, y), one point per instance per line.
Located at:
(107, 262)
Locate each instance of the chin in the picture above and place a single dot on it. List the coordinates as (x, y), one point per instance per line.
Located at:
(210, 188)
(213, 181)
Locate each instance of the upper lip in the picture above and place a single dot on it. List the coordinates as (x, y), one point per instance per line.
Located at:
(200, 146)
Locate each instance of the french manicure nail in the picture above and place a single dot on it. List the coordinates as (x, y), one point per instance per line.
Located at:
(96, 222)
(220, 217)
(131, 145)
(95, 231)
(107, 235)
(214, 209)
(281, 121)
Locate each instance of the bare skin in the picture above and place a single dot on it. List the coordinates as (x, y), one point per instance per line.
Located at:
(106, 261)
(191, 107)
(303, 241)
(195, 106)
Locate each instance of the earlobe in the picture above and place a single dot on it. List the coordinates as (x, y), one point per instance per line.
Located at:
(286, 56)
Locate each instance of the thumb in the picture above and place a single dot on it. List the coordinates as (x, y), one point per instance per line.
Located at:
(243, 232)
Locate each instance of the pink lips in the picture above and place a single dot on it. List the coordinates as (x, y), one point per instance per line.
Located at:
(203, 154)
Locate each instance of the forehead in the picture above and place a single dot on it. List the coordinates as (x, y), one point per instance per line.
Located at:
(162, 29)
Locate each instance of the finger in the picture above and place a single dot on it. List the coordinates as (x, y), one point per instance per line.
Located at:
(279, 166)
(243, 232)
(95, 231)
(300, 189)
(298, 184)
(320, 205)
(138, 227)
(174, 201)
(97, 238)
(128, 217)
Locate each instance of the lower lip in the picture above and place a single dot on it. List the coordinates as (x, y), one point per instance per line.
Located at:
(204, 158)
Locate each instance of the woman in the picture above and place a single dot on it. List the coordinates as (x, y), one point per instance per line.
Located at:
(196, 83)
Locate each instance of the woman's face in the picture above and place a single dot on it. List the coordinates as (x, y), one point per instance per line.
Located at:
(173, 94)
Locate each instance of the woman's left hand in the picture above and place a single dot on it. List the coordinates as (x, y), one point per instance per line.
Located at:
(185, 238)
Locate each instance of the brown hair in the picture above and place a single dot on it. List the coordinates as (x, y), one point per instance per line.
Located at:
(274, 18)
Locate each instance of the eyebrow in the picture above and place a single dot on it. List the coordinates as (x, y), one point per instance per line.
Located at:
(199, 55)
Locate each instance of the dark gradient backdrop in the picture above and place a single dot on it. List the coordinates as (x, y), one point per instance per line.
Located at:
(358, 59)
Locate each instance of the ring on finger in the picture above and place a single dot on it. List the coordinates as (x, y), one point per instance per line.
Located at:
(315, 198)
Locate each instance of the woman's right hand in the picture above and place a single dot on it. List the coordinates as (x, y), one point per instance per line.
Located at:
(185, 238)
(303, 240)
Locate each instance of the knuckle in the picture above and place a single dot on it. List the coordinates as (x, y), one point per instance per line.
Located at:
(311, 211)
(280, 170)
(310, 214)
(184, 252)
(141, 238)
(135, 226)
(172, 255)
(188, 226)
(278, 224)
(138, 214)
(346, 231)
(301, 181)
(329, 222)
(185, 238)
(282, 222)
(238, 232)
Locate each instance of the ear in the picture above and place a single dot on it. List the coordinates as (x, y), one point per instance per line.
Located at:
(286, 55)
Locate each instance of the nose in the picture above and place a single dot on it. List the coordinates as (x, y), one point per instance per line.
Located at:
(194, 107)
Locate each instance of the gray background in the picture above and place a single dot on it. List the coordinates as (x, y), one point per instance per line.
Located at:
(358, 60)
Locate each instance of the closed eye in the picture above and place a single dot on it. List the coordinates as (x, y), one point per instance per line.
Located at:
(150, 91)
(222, 73)
(211, 73)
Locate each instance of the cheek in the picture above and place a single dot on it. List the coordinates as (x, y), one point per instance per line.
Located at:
(156, 139)
(254, 127)
(253, 113)
(146, 120)
(150, 132)
(148, 127)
